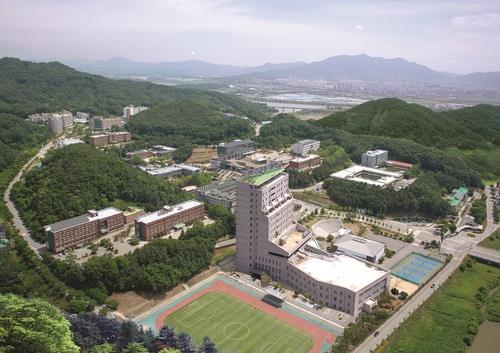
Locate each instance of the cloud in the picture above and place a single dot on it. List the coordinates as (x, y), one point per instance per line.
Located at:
(359, 27)
(488, 19)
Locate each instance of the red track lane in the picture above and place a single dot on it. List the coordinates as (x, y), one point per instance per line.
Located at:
(318, 334)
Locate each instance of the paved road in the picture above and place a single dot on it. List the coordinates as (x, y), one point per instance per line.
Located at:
(18, 222)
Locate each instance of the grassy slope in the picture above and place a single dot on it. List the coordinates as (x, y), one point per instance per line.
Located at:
(214, 314)
(493, 241)
(440, 325)
(27, 87)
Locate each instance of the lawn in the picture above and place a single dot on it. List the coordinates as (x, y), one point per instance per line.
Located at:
(237, 327)
(450, 317)
(493, 241)
(316, 198)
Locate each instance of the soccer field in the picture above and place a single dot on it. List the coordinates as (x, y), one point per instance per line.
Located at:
(237, 327)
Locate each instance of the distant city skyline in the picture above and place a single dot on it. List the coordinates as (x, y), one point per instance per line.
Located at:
(454, 36)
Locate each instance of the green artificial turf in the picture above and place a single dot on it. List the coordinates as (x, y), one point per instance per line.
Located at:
(236, 327)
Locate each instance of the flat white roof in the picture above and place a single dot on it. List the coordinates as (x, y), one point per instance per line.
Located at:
(305, 158)
(351, 173)
(168, 211)
(106, 212)
(169, 169)
(340, 270)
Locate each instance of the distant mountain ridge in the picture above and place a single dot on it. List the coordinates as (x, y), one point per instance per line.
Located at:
(342, 67)
(118, 66)
(27, 87)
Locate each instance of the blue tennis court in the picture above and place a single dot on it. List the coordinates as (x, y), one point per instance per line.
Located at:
(416, 268)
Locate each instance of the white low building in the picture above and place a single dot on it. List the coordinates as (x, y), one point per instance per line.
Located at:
(359, 247)
(372, 176)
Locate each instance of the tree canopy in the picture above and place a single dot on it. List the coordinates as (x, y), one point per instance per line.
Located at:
(33, 326)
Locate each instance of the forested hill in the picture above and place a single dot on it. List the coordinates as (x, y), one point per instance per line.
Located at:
(78, 178)
(15, 136)
(188, 122)
(468, 128)
(27, 87)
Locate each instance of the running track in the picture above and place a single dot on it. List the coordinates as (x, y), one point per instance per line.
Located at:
(319, 335)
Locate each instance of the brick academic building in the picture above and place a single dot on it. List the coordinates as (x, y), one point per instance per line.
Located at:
(163, 221)
(77, 231)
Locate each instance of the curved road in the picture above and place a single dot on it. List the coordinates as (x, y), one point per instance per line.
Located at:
(18, 222)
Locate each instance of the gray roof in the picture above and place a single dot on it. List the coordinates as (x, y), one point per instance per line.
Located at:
(67, 223)
(79, 220)
(360, 245)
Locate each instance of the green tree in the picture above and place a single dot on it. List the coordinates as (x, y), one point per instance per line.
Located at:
(103, 348)
(33, 326)
(169, 350)
(135, 348)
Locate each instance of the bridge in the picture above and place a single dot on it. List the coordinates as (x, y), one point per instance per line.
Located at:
(487, 255)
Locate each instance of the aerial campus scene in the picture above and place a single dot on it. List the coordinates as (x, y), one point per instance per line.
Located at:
(237, 176)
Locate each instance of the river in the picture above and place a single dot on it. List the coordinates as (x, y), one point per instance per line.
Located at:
(487, 339)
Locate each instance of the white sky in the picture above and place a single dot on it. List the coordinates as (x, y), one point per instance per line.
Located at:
(457, 36)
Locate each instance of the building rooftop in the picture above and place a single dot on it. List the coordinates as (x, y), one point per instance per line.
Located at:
(305, 142)
(168, 211)
(340, 270)
(235, 143)
(375, 152)
(305, 158)
(372, 176)
(75, 221)
(260, 179)
(359, 245)
(457, 195)
(292, 238)
(169, 169)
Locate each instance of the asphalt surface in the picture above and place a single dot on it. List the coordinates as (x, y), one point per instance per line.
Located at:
(18, 222)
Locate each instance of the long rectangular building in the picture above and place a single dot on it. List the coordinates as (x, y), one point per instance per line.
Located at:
(161, 222)
(268, 240)
(75, 232)
(110, 138)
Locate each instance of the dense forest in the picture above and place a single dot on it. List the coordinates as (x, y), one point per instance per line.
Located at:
(16, 135)
(423, 197)
(190, 121)
(77, 178)
(467, 128)
(27, 87)
(159, 265)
